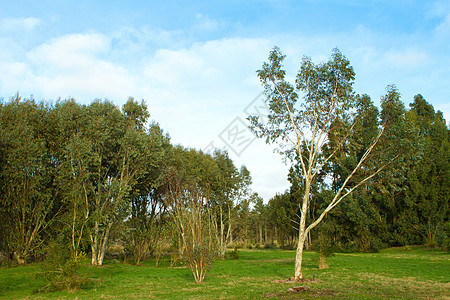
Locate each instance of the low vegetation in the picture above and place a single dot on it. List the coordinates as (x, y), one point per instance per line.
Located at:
(406, 273)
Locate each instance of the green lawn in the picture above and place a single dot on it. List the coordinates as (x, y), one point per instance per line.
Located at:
(390, 274)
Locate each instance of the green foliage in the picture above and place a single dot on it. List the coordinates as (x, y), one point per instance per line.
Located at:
(323, 244)
(407, 203)
(61, 269)
(234, 254)
(282, 209)
(268, 245)
(198, 234)
(199, 258)
(446, 242)
(26, 177)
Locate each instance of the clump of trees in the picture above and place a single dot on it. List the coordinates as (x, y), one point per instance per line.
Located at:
(94, 175)
(337, 142)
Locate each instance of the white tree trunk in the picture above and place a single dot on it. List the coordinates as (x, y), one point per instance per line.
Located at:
(302, 234)
(98, 245)
(299, 259)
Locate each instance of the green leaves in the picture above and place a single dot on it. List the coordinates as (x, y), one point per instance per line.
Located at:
(305, 113)
(76, 161)
(26, 176)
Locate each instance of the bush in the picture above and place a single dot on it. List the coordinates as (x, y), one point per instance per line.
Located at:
(61, 269)
(431, 244)
(239, 245)
(323, 246)
(406, 248)
(234, 254)
(268, 245)
(199, 259)
(5, 260)
(200, 248)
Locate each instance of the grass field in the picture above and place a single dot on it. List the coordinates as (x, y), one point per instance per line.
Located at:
(414, 273)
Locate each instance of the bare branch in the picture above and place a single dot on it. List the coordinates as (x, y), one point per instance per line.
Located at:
(337, 198)
(298, 132)
(337, 149)
(327, 120)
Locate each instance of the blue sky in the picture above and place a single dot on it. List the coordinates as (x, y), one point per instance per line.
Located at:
(194, 62)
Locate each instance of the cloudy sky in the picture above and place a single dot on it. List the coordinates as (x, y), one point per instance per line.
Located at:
(194, 64)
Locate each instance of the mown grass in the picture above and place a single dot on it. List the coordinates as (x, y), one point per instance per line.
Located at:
(390, 274)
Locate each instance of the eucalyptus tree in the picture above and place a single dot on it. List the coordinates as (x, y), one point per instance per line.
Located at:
(224, 190)
(429, 177)
(390, 210)
(281, 213)
(358, 221)
(259, 216)
(188, 180)
(327, 106)
(26, 180)
(403, 140)
(145, 227)
(229, 189)
(105, 151)
(74, 157)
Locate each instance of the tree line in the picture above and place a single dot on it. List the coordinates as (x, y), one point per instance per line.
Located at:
(89, 176)
(407, 204)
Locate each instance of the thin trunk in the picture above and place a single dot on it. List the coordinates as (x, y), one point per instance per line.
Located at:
(265, 233)
(299, 259)
(74, 248)
(94, 244)
(222, 242)
(302, 234)
(260, 233)
(104, 244)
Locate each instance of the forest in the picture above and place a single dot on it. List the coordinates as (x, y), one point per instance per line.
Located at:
(103, 181)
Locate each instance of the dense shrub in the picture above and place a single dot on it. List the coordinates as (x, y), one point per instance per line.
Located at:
(234, 254)
(61, 269)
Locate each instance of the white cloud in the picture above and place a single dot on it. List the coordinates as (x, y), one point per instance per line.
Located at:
(69, 66)
(69, 53)
(205, 23)
(218, 69)
(440, 10)
(169, 67)
(18, 24)
(195, 93)
(443, 29)
(408, 58)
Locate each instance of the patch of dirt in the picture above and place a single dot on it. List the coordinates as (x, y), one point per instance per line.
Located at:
(292, 280)
(289, 294)
(299, 289)
(324, 293)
